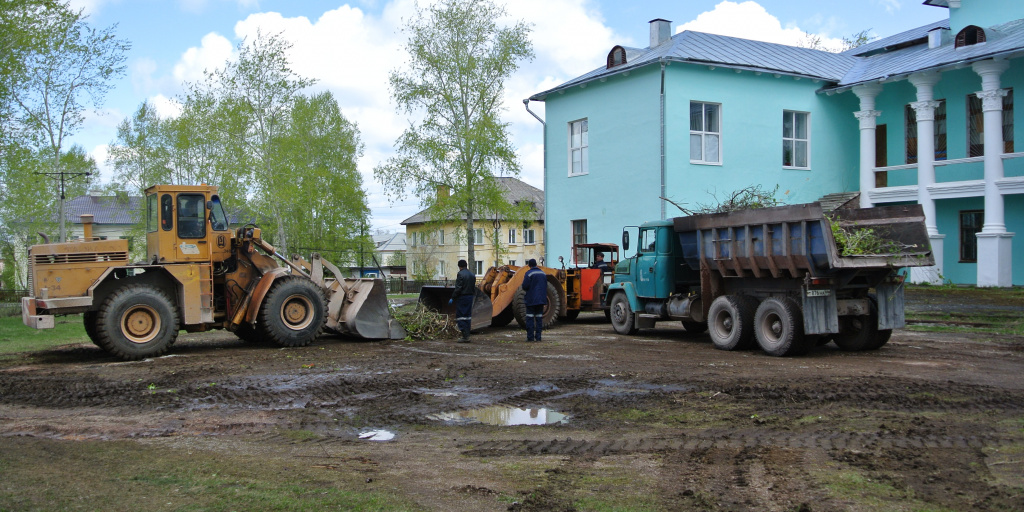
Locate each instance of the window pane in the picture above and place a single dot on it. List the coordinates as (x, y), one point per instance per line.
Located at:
(585, 160)
(711, 118)
(801, 153)
(787, 124)
(695, 147)
(711, 148)
(801, 125)
(576, 139)
(696, 116)
(576, 164)
(787, 153)
(586, 132)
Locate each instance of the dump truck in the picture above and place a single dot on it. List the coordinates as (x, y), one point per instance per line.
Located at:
(772, 275)
(500, 298)
(198, 275)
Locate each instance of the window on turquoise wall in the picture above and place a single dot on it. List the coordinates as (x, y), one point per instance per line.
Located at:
(579, 148)
(705, 133)
(579, 236)
(970, 224)
(910, 123)
(796, 140)
(976, 124)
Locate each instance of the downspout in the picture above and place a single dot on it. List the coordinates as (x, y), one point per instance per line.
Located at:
(662, 127)
(526, 103)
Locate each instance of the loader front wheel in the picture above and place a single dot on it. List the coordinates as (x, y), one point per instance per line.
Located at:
(293, 312)
(136, 322)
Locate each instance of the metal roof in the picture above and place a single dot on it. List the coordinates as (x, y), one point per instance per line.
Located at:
(105, 209)
(901, 38)
(712, 49)
(515, 190)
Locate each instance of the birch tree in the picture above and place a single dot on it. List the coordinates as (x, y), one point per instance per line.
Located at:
(452, 89)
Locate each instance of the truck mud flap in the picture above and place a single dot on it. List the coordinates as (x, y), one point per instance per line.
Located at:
(435, 298)
(890, 306)
(820, 315)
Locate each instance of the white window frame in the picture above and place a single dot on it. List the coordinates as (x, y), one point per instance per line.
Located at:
(512, 236)
(479, 267)
(530, 239)
(703, 133)
(794, 139)
(478, 236)
(440, 268)
(440, 237)
(583, 148)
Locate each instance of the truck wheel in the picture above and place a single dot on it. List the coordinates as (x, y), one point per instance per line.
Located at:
(293, 313)
(731, 322)
(779, 327)
(89, 322)
(136, 322)
(860, 332)
(550, 309)
(695, 327)
(882, 335)
(622, 315)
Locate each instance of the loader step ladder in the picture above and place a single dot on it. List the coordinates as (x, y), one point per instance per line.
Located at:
(206, 293)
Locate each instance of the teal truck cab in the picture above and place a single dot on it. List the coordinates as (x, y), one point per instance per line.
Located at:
(774, 275)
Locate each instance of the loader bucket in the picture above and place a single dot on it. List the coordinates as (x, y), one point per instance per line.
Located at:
(359, 307)
(435, 298)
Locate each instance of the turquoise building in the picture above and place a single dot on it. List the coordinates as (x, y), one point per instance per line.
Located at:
(695, 116)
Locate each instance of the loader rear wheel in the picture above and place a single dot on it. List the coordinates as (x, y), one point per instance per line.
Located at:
(779, 327)
(550, 309)
(622, 315)
(731, 322)
(89, 322)
(136, 322)
(293, 313)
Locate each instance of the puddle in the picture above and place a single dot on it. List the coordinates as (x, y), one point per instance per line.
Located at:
(377, 435)
(503, 415)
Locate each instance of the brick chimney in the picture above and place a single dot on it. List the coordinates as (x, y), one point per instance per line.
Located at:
(661, 31)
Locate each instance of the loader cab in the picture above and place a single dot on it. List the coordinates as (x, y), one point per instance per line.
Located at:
(185, 224)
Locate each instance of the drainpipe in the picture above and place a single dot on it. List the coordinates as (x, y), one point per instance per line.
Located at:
(526, 103)
(662, 128)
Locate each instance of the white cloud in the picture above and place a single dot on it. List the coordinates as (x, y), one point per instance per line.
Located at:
(213, 52)
(749, 20)
(106, 171)
(165, 107)
(891, 6)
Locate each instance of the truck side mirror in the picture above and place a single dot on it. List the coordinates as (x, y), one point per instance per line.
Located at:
(625, 240)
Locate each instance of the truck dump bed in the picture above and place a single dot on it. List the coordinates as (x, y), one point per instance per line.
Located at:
(797, 239)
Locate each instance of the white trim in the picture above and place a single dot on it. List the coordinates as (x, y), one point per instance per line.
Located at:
(893, 194)
(1014, 185)
(957, 189)
(584, 149)
(702, 133)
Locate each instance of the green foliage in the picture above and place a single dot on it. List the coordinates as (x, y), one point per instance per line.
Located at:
(861, 241)
(453, 85)
(421, 323)
(747, 198)
(15, 337)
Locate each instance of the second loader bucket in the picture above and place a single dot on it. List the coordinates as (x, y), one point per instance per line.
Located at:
(435, 298)
(360, 307)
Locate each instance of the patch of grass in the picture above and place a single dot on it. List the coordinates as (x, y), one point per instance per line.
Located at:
(128, 476)
(810, 420)
(17, 337)
(600, 504)
(300, 435)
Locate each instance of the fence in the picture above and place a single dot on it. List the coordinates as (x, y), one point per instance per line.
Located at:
(402, 285)
(10, 302)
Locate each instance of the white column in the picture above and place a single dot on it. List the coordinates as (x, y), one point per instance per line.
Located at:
(866, 115)
(924, 109)
(994, 243)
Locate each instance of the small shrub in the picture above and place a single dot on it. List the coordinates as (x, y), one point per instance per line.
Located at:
(421, 323)
(862, 241)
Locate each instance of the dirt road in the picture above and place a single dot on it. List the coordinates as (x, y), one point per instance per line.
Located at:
(658, 421)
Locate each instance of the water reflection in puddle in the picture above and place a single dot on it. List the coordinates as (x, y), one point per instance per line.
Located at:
(376, 435)
(503, 415)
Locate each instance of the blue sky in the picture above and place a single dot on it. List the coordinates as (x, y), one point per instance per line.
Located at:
(350, 47)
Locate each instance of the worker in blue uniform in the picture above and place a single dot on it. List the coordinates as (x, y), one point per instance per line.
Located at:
(535, 284)
(462, 296)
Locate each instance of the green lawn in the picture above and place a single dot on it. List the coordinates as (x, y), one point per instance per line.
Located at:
(16, 337)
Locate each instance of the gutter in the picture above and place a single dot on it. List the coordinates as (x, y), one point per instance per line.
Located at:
(662, 133)
(526, 103)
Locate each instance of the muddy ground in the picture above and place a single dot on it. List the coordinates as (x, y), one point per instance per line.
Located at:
(658, 421)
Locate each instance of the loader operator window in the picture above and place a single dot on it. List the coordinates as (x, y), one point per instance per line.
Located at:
(166, 212)
(152, 213)
(218, 221)
(191, 216)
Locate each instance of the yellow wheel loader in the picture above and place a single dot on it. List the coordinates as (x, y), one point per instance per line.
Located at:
(199, 274)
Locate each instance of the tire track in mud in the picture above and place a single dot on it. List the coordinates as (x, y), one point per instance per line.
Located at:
(735, 440)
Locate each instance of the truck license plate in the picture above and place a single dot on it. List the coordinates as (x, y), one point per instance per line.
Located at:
(819, 293)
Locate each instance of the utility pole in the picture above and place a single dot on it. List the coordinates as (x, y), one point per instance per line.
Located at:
(61, 177)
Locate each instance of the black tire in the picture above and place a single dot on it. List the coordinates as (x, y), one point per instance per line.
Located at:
(89, 322)
(881, 335)
(248, 333)
(694, 327)
(550, 309)
(608, 314)
(504, 318)
(817, 340)
(293, 313)
(779, 327)
(857, 333)
(622, 315)
(572, 314)
(136, 322)
(731, 322)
